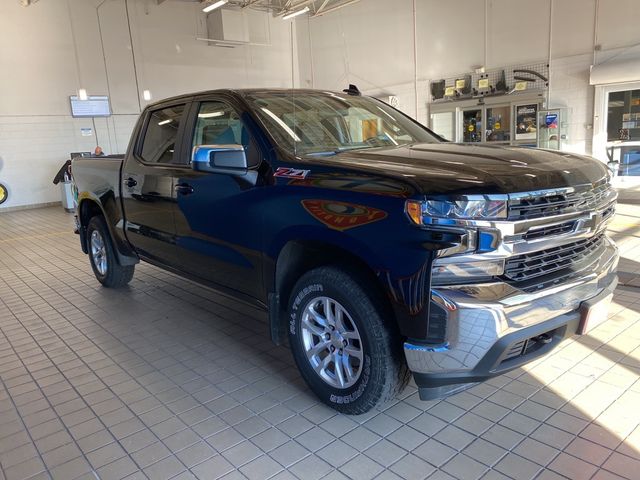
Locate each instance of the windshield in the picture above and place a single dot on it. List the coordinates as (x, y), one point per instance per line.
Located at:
(326, 123)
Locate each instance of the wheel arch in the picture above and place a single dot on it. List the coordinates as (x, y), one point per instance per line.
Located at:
(89, 208)
(302, 255)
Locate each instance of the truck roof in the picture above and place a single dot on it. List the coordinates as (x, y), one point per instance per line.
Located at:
(242, 92)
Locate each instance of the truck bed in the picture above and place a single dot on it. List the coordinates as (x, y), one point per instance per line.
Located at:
(98, 175)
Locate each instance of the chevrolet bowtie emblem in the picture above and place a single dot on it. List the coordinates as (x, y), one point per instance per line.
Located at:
(594, 221)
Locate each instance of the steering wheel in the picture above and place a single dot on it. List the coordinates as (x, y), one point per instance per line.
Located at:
(377, 140)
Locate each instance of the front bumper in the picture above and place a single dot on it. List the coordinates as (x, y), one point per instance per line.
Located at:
(493, 327)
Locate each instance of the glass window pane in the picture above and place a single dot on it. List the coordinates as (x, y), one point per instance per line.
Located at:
(327, 124)
(443, 124)
(160, 137)
(623, 116)
(219, 124)
(472, 126)
(498, 124)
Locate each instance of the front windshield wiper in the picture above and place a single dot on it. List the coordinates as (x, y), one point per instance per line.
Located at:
(329, 153)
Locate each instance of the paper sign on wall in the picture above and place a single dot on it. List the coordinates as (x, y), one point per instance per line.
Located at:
(483, 83)
(460, 84)
(449, 91)
(526, 121)
(86, 132)
(520, 86)
(551, 120)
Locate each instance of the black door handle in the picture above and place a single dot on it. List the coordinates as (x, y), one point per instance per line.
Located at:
(183, 188)
(130, 182)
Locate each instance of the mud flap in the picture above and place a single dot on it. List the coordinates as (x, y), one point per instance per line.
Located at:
(277, 323)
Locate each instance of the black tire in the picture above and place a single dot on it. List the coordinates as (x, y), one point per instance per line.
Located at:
(113, 275)
(383, 372)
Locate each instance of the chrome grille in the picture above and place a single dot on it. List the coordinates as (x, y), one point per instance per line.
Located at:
(551, 230)
(543, 262)
(556, 203)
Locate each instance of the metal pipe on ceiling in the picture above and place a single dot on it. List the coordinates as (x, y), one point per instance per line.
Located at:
(333, 9)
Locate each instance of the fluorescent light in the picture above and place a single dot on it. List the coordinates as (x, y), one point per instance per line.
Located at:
(210, 114)
(213, 6)
(284, 126)
(146, 94)
(82, 94)
(295, 14)
(164, 122)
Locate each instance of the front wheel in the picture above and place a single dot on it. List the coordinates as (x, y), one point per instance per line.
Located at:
(345, 352)
(103, 258)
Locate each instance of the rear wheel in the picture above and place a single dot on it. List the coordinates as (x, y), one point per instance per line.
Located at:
(103, 258)
(345, 352)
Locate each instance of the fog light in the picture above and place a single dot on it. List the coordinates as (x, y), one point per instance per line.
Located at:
(445, 271)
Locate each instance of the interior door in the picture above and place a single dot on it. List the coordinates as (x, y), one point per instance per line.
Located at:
(623, 133)
(148, 177)
(218, 214)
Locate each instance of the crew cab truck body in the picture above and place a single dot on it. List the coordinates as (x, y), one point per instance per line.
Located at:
(378, 248)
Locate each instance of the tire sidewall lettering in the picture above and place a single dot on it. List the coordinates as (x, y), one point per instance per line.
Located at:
(297, 301)
(361, 386)
(363, 382)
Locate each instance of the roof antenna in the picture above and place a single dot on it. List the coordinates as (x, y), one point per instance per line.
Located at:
(352, 90)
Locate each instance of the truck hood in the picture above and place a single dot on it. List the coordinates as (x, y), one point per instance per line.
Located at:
(449, 168)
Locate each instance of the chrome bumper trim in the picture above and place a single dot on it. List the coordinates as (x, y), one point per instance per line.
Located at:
(480, 315)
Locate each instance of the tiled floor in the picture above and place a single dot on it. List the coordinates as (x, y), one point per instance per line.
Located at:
(168, 380)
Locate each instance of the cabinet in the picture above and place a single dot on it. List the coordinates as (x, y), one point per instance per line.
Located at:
(552, 128)
(501, 120)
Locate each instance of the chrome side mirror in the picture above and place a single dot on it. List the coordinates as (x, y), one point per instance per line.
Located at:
(219, 158)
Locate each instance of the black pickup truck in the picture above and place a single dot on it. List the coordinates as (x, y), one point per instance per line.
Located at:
(378, 248)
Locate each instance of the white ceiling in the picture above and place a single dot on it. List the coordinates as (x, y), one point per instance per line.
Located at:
(278, 7)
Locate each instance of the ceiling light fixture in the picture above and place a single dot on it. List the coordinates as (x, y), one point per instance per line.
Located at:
(295, 14)
(146, 94)
(213, 6)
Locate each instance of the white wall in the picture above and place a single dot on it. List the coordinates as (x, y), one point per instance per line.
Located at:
(371, 43)
(39, 72)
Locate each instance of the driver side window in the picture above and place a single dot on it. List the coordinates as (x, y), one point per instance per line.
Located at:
(219, 124)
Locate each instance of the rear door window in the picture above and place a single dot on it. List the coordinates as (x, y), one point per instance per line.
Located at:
(159, 144)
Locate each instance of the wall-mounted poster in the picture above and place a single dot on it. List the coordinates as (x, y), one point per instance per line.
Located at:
(526, 121)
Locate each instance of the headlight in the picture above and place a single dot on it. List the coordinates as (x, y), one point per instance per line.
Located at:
(472, 207)
(445, 271)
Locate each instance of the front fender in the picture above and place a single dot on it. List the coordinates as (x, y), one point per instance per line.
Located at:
(317, 233)
(374, 230)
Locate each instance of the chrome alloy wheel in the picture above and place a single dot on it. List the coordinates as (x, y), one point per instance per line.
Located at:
(98, 252)
(332, 342)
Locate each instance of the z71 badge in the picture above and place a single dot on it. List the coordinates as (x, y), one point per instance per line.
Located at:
(287, 172)
(342, 215)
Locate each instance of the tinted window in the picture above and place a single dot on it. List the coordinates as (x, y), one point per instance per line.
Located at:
(219, 124)
(160, 137)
